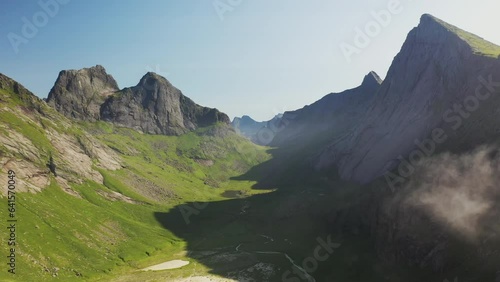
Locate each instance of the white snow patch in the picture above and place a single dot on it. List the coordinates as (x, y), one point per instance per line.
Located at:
(167, 265)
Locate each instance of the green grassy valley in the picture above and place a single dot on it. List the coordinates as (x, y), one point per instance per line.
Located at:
(279, 175)
(90, 233)
(191, 197)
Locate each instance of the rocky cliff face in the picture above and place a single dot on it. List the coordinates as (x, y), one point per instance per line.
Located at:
(329, 117)
(437, 109)
(34, 135)
(80, 93)
(445, 82)
(155, 106)
(439, 80)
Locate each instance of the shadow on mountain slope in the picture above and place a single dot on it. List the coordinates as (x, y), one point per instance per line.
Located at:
(413, 235)
(256, 237)
(262, 237)
(290, 167)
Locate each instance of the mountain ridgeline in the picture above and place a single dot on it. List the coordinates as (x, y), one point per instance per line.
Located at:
(362, 131)
(438, 69)
(331, 116)
(153, 106)
(260, 133)
(79, 94)
(393, 180)
(423, 143)
(87, 191)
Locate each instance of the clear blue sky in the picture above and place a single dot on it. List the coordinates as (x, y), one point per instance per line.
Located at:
(262, 57)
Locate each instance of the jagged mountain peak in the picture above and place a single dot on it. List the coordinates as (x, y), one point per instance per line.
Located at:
(435, 69)
(247, 118)
(152, 77)
(431, 25)
(156, 106)
(152, 80)
(79, 93)
(428, 18)
(371, 78)
(94, 70)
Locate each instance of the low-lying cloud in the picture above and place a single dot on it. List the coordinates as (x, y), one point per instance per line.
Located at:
(458, 191)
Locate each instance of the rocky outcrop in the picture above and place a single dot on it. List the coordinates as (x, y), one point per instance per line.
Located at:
(38, 143)
(155, 106)
(79, 93)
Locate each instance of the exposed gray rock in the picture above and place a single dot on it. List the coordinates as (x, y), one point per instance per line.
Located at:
(435, 70)
(155, 106)
(80, 93)
(68, 157)
(441, 79)
(328, 118)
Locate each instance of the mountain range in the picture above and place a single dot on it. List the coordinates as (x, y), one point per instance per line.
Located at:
(260, 133)
(153, 106)
(394, 180)
(441, 76)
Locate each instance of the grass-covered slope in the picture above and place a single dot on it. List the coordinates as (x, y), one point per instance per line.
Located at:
(97, 202)
(478, 44)
(87, 193)
(196, 164)
(114, 207)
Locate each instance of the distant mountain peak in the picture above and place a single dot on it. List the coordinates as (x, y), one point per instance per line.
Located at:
(155, 106)
(371, 78)
(94, 69)
(247, 118)
(428, 19)
(151, 78)
(153, 75)
(98, 67)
